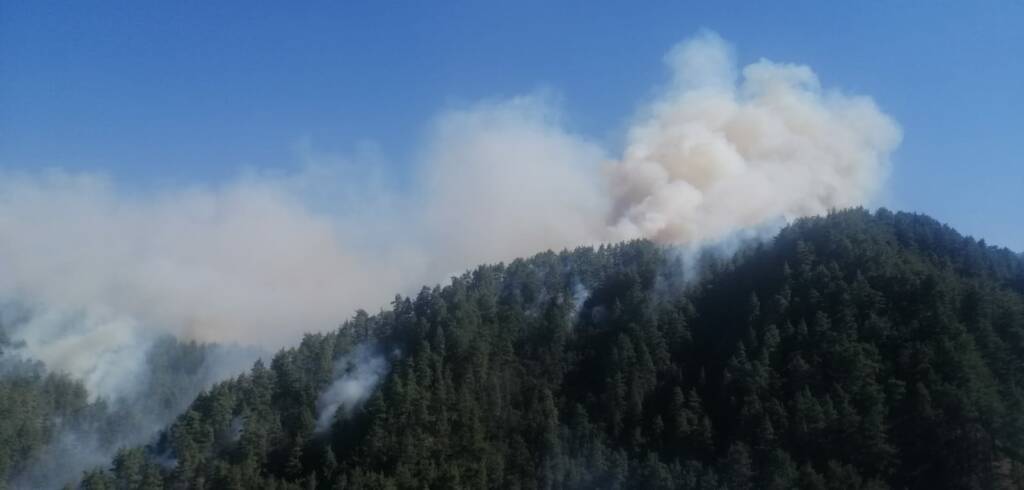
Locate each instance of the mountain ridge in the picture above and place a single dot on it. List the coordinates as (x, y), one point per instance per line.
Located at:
(853, 350)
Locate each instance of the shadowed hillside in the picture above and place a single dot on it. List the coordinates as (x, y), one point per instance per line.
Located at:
(856, 350)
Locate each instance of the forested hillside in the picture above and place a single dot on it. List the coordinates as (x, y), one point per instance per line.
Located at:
(51, 429)
(856, 350)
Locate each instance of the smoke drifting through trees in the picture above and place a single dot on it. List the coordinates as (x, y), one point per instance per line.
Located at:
(254, 261)
(54, 429)
(356, 375)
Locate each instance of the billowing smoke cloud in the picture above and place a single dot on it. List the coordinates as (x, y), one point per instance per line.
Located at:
(265, 257)
(356, 375)
(719, 152)
(504, 180)
(245, 262)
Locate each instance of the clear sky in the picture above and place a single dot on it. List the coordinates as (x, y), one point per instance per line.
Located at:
(153, 93)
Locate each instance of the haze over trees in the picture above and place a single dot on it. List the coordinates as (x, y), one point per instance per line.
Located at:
(52, 428)
(854, 350)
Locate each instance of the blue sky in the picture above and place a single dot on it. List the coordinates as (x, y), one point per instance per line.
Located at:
(194, 92)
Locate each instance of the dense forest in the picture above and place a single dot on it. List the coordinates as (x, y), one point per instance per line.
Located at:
(852, 351)
(51, 429)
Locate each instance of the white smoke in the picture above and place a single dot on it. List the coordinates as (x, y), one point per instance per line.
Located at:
(718, 153)
(144, 381)
(105, 353)
(241, 262)
(504, 179)
(266, 257)
(356, 375)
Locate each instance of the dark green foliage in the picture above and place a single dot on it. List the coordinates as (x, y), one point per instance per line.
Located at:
(855, 351)
(31, 403)
(50, 430)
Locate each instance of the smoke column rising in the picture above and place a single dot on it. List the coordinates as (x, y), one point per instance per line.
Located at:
(719, 150)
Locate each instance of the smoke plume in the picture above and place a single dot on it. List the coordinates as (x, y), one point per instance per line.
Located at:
(356, 375)
(720, 151)
(265, 257)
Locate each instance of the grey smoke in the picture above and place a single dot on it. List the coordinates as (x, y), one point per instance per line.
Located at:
(356, 375)
(580, 293)
(64, 459)
(236, 429)
(128, 384)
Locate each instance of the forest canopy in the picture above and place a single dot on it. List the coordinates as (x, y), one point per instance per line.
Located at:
(854, 350)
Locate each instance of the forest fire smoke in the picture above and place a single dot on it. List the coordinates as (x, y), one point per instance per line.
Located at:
(711, 156)
(252, 261)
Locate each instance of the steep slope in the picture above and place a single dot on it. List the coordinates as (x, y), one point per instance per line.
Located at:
(51, 429)
(856, 350)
